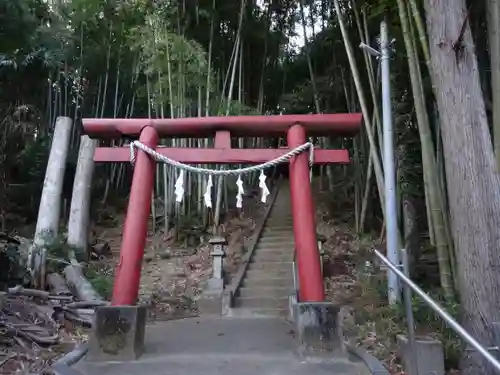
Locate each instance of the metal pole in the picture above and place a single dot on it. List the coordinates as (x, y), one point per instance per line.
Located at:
(441, 312)
(389, 169)
(409, 312)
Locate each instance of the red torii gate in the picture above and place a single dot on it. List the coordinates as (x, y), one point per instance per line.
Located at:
(296, 127)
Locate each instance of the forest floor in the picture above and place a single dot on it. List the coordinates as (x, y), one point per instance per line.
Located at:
(353, 280)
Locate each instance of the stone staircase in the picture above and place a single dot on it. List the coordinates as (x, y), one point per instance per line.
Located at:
(268, 281)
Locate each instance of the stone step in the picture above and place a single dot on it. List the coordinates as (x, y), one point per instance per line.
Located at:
(272, 236)
(278, 229)
(257, 282)
(271, 267)
(271, 232)
(260, 273)
(283, 256)
(283, 212)
(276, 248)
(273, 251)
(279, 220)
(283, 201)
(280, 215)
(276, 243)
(259, 312)
(266, 291)
(262, 302)
(278, 224)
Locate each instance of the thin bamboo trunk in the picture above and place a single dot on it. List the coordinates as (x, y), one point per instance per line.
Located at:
(364, 107)
(308, 58)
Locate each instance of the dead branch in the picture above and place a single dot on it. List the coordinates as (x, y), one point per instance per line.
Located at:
(21, 291)
(79, 284)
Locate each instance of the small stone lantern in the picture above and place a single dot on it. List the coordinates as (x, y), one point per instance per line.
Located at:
(218, 254)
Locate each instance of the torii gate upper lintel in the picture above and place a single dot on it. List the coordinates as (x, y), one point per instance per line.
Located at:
(296, 127)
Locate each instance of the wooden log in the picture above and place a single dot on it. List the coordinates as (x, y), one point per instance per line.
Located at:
(20, 290)
(79, 284)
(36, 293)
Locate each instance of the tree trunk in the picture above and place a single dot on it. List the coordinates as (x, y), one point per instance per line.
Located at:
(431, 181)
(473, 184)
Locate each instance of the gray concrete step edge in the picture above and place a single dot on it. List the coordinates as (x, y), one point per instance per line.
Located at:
(245, 312)
(266, 291)
(278, 230)
(273, 257)
(256, 282)
(278, 255)
(274, 249)
(280, 267)
(285, 238)
(262, 302)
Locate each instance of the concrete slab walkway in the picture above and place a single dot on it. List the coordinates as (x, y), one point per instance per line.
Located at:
(222, 346)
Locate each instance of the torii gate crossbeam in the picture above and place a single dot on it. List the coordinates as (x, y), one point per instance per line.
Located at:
(295, 127)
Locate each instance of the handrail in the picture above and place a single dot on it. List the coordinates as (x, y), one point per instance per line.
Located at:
(440, 311)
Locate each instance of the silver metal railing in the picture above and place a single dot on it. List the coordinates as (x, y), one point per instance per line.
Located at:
(408, 287)
(295, 276)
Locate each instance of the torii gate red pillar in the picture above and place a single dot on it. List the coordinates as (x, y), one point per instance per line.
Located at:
(127, 277)
(135, 229)
(304, 222)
